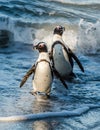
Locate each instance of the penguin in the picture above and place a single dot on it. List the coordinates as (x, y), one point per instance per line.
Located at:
(43, 73)
(42, 79)
(62, 55)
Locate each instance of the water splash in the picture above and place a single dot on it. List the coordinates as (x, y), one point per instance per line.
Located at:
(19, 33)
(88, 41)
(78, 2)
(83, 38)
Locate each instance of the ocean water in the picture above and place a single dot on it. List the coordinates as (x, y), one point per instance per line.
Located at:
(24, 23)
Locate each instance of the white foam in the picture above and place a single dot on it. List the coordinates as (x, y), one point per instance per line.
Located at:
(78, 2)
(69, 36)
(88, 41)
(84, 38)
(75, 112)
(20, 33)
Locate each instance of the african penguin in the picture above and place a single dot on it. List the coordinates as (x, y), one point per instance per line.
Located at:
(42, 79)
(62, 55)
(43, 75)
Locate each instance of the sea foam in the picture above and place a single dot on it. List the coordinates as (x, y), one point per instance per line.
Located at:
(75, 112)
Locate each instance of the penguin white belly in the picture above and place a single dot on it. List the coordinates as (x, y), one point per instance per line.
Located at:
(61, 61)
(42, 78)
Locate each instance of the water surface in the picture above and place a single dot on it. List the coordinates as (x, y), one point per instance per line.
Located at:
(26, 23)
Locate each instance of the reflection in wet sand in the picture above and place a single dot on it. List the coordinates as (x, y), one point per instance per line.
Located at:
(41, 125)
(42, 106)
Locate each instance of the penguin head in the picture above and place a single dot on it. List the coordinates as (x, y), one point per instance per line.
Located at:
(41, 47)
(59, 30)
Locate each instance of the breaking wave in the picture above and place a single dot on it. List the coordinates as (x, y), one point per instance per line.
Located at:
(88, 37)
(83, 38)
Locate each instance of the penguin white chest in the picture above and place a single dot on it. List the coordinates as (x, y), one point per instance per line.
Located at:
(61, 61)
(42, 78)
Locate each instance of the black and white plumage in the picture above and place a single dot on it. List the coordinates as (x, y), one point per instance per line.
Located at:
(62, 55)
(43, 73)
(42, 79)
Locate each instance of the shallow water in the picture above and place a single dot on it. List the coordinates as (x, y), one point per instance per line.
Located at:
(34, 21)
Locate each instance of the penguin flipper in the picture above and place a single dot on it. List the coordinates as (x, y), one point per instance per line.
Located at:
(76, 59)
(27, 75)
(59, 76)
(70, 53)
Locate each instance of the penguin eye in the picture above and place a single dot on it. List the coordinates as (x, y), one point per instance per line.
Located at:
(59, 27)
(41, 45)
